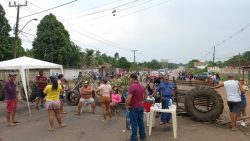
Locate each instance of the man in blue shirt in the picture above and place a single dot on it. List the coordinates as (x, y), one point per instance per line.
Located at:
(167, 91)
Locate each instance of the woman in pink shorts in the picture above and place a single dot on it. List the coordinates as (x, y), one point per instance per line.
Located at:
(53, 91)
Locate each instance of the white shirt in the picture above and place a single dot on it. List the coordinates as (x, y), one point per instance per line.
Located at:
(233, 90)
(105, 89)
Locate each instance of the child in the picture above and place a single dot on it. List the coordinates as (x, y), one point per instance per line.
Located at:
(243, 100)
(128, 126)
(116, 99)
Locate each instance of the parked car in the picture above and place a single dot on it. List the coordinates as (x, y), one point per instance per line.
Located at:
(201, 76)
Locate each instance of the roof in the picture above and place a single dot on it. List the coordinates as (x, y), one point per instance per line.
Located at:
(200, 64)
(26, 63)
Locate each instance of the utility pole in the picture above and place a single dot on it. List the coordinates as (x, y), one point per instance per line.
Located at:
(17, 24)
(239, 60)
(134, 54)
(214, 56)
(239, 64)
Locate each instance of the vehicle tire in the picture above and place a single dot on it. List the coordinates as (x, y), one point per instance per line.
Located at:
(72, 97)
(197, 99)
(32, 95)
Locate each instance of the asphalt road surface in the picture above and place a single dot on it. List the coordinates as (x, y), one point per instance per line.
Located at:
(89, 127)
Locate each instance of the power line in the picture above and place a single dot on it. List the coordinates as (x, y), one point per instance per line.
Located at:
(93, 8)
(106, 40)
(144, 9)
(108, 9)
(29, 34)
(96, 37)
(117, 10)
(228, 38)
(133, 6)
(209, 52)
(233, 35)
(243, 50)
(28, 39)
(140, 10)
(50, 8)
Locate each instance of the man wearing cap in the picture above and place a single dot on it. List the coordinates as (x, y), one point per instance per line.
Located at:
(167, 90)
(41, 82)
(86, 97)
(233, 90)
(11, 98)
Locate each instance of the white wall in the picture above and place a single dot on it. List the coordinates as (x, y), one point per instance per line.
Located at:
(70, 74)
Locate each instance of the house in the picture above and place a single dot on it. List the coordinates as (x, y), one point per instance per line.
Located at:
(200, 65)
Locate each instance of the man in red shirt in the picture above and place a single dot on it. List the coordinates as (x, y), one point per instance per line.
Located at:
(41, 82)
(135, 103)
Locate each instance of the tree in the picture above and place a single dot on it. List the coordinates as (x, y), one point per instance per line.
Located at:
(74, 58)
(88, 58)
(123, 63)
(6, 42)
(6, 50)
(53, 43)
(30, 53)
(154, 64)
(191, 63)
(116, 56)
(98, 58)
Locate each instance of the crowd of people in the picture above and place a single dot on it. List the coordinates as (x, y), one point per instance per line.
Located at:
(51, 92)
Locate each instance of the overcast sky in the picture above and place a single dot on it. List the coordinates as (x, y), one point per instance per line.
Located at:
(173, 30)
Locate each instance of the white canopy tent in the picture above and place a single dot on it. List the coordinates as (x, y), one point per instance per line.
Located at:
(23, 64)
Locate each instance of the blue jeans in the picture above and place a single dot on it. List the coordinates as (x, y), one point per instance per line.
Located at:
(136, 120)
(165, 117)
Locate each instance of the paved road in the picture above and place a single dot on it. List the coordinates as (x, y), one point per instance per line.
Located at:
(89, 127)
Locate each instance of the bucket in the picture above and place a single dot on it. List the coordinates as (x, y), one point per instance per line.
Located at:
(147, 106)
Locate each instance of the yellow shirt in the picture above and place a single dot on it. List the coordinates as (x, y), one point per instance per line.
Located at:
(52, 95)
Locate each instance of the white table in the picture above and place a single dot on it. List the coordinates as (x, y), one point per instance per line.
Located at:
(153, 110)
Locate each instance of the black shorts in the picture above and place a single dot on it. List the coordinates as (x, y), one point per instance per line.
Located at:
(234, 107)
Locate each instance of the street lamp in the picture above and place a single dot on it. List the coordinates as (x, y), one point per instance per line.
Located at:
(17, 32)
(35, 19)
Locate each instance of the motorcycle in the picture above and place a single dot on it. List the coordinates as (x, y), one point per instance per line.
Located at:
(72, 96)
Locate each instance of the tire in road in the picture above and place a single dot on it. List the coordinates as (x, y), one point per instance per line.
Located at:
(72, 97)
(201, 96)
